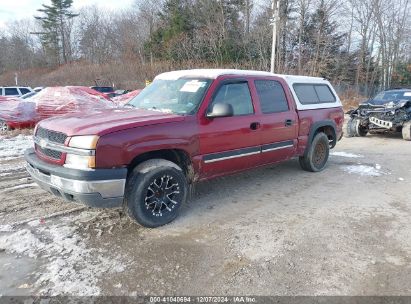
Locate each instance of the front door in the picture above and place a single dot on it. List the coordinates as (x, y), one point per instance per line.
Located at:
(230, 144)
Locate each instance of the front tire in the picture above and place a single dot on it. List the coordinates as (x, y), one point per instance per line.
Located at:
(349, 128)
(406, 131)
(354, 128)
(155, 191)
(3, 127)
(317, 156)
(361, 130)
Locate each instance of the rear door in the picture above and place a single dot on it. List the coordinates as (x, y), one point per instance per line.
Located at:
(230, 144)
(278, 119)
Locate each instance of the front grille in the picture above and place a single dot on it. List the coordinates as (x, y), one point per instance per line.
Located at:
(50, 136)
(49, 153)
(53, 136)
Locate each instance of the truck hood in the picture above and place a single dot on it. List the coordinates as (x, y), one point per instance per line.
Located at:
(107, 121)
(375, 102)
(394, 104)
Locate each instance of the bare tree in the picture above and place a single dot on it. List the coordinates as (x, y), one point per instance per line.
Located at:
(303, 7)
(148, 12)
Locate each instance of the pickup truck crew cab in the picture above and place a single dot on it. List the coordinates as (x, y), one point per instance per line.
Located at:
(186, 126)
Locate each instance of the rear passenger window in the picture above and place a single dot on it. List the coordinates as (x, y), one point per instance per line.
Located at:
(10, 91)
(324, 93)
(313, 93)
(272, 96)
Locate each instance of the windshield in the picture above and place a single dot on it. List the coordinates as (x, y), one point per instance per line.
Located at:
(28, 95)
(178, 96)
(387, 96)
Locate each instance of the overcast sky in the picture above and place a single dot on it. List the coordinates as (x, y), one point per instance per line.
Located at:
(19, 9)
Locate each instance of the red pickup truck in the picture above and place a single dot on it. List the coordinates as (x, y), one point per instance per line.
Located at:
(187, 126)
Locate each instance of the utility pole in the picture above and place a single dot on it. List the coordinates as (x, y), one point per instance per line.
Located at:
(275, 5)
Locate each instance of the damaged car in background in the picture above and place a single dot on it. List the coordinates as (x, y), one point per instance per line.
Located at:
(389, 110)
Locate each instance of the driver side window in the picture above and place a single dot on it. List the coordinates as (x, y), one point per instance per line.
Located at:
(236, 94)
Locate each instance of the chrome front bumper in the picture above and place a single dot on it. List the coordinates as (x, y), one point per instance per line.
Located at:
(93, 188)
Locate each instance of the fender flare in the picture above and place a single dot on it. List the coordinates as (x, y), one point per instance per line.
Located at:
(319, 124)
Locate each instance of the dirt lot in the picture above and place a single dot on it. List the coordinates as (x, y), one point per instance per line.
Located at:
(272, 231)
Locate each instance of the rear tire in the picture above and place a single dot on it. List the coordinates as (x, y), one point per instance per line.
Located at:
(317, 156)
(406, 130)
(155, 191)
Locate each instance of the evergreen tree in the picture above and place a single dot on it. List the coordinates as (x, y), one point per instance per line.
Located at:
(175, 20)
(402, 76)
(181, 21)
(232, 46)
(54, 23)
(321, 43)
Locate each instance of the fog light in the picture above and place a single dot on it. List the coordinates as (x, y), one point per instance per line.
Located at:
(56, 181)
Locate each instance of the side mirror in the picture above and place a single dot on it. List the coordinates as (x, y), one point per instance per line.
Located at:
(221, 110)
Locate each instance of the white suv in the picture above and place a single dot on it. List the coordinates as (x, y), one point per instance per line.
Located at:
(14, 91)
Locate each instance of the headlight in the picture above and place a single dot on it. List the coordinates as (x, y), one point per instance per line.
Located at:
(80, 161)
(391, 104)
(84, 142)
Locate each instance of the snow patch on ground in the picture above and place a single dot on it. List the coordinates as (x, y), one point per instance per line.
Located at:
(11, 148)
(21, 242)
(346, 154)
(363, 170)
(72, 268)
(6, 228)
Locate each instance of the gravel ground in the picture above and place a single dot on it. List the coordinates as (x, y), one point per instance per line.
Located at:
(271, 231)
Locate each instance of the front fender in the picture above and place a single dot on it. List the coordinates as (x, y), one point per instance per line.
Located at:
(120, 148)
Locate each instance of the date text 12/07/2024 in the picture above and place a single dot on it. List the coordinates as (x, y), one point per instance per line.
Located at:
(205, 299)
